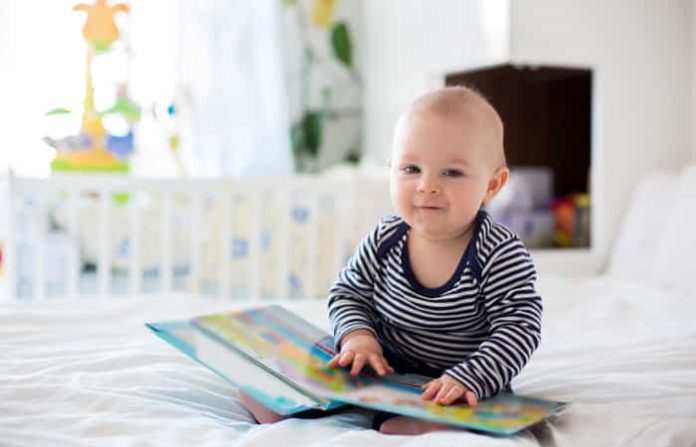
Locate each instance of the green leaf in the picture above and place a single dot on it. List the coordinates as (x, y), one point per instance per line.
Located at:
(312, 132)
(341, 43)
(305, 134)
(102, 46)
(125, 107)
(297, 138)
(121, 198)
(58, 111)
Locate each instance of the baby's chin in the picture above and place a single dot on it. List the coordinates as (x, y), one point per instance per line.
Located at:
(435, 231)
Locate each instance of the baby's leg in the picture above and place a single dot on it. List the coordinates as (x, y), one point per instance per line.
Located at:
(262, 414)
(402, 425)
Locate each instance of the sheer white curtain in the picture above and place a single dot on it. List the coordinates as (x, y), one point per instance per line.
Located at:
(231, 90)
(42, 58)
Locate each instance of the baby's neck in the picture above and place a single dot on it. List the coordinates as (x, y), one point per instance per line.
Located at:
(429, 242)
(434, 261)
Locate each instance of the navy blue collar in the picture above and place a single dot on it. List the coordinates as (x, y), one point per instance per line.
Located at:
(468, 258)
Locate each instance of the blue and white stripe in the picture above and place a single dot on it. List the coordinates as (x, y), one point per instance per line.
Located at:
(481, 327)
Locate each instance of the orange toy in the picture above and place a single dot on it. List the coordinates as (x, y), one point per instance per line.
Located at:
(564, 211)
(100, 27)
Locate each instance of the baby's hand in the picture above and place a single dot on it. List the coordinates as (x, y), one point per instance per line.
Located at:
(358, 348)
(446, 390)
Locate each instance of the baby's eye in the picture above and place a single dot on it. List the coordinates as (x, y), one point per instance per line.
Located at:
(411, 169)
(452, 173)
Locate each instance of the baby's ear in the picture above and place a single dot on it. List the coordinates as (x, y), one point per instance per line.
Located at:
(496, 183)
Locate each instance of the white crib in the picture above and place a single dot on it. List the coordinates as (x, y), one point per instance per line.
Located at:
(246, 238)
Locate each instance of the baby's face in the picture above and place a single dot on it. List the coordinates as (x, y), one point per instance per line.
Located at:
(439, 174)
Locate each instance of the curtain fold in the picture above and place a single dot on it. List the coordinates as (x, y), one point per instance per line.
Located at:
(231, 88)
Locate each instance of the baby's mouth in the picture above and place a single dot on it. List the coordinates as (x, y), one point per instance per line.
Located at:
(429, 207)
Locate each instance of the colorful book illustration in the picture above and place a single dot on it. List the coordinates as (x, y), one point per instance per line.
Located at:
(281, 360)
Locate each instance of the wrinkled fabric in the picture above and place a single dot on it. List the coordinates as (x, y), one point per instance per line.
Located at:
(86, 372)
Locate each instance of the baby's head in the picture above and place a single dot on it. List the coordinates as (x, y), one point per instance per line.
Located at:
(463, 108)
(447, 160)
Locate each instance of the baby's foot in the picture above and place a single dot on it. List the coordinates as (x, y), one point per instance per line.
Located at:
(262, 414)
(402, 425)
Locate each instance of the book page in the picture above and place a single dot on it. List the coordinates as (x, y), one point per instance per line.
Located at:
(285, 344)
(298, 351)
(258, 383)
(504, 414)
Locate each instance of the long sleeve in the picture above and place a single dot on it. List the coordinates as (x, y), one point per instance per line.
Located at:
(351, 301)
(513, 310)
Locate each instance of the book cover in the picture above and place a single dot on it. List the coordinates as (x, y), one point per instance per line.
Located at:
(281, 360)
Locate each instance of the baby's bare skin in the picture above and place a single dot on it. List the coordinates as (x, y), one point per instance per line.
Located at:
(360, 348)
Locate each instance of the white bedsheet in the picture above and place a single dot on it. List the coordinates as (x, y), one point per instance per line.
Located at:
(84, 372)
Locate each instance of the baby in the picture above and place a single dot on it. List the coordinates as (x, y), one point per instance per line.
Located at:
(438, 289)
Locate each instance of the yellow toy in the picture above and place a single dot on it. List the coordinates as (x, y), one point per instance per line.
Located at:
(94, 149)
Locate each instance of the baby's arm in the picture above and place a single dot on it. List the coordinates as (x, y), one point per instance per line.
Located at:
(352, 312)
(513, 309)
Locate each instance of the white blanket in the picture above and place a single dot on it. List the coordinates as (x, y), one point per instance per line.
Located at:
(84, 372)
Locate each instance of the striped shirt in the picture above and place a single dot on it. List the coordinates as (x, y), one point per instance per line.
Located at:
(481, 327)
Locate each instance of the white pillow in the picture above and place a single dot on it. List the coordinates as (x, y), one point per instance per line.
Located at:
(637, 242)
(675, 257)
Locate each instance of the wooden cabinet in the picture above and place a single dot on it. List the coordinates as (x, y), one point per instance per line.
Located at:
(547, 117)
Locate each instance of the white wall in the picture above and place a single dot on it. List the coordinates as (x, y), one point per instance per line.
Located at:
(640, 51)
(693, 81)
(408, 45)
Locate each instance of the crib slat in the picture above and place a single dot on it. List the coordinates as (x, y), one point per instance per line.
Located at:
(312, 245)
(254, 249)
(166, 225)
(339, 197)
(73, 255)
(134, 252)
(283, 232)
(225, 202)
(196, 210)
(9, 245)
(104, 261)
(40, 241)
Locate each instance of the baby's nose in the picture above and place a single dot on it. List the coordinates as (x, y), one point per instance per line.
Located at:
(428, 186)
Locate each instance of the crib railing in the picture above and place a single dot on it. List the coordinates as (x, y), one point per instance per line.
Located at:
(247, 238)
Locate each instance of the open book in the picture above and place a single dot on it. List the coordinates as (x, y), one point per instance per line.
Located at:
(280, 360)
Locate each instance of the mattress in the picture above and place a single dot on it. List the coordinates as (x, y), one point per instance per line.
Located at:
(87, 372)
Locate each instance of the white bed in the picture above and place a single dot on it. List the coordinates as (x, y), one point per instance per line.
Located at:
(620, 346)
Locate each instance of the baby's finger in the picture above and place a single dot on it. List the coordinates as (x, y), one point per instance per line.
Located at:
(442, 393)
(432, 389)
(358, 363)
(470, 398)
(334, 361)
(387, 367)
(453, 394)
(376, 362)
(346, 358)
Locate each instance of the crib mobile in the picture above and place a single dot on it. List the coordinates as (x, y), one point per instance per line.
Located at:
(105, 139)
